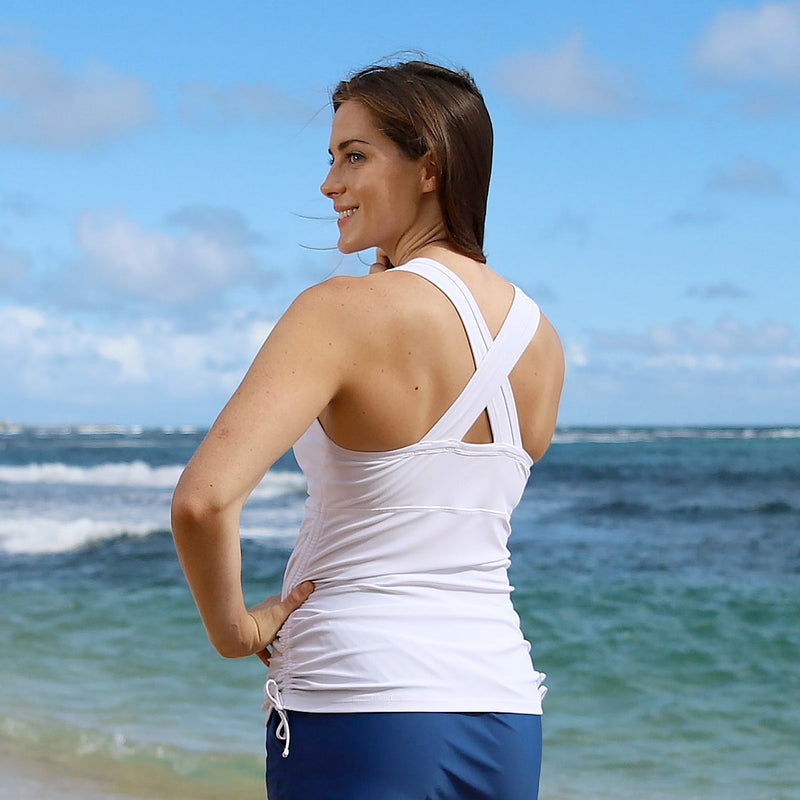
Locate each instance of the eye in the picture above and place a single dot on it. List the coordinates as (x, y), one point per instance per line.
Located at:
(352, 157)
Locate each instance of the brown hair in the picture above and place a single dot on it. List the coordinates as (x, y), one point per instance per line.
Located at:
(424, 108)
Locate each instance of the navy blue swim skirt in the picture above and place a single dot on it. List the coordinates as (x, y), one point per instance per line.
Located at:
(406, 756)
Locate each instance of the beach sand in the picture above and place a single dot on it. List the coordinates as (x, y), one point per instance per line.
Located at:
(30, 778)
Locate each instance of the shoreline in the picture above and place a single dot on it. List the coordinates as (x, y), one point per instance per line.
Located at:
(26, 777)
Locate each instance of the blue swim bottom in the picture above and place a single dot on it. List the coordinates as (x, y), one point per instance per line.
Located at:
(406, 756)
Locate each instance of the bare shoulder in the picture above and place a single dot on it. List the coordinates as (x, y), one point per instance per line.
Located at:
(538, 380)
(547, 345)
(361, 310)
(347, 321)
(328, 297)
(342, 297)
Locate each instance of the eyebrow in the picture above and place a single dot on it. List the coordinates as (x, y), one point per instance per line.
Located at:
(346, 143)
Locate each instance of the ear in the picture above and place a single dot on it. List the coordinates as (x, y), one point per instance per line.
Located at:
(429, 174)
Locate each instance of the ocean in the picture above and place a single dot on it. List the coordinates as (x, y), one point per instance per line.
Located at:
(657, 575)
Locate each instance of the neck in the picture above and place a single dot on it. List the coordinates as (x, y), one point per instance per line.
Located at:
(427, 246)
(428, 231)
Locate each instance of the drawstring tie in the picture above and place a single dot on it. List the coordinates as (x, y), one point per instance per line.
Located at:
(274, 702)
(540, 676)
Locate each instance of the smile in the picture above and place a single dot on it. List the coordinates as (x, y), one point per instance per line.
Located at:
(347, 213)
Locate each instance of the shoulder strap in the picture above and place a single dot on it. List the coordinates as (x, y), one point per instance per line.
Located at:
(489, 387)
(460, 296)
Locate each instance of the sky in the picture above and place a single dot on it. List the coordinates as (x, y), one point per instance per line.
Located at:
(160, 167)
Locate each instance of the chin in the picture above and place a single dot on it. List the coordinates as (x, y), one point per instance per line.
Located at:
(348, 247)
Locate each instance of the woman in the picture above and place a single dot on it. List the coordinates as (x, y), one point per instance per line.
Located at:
(417, 398)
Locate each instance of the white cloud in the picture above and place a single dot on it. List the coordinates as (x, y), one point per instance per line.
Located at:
(14, 267)
(693, 346)
(566, 80)
(575, 355)
(747, 45)
(209, 105)
(684, 373)
(127, 353)
(574, 227)
(43, 105)
(153, 371)
(224, 224)
(692, 363)
(17, 323)
(786, 363)
(699, 219)
(746, 175)
(154, 265)
(57, 360)
(20, 205)
(723, 290)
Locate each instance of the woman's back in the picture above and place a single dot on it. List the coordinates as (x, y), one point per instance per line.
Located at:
(407, 548)
(411, 359)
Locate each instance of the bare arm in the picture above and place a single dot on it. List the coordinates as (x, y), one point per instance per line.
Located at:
(541, 379)
(297, 372)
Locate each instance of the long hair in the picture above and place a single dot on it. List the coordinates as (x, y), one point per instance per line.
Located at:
(425, 108)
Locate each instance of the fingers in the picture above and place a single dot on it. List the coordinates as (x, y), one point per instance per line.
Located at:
(271, 613)
(382, 262)
(280, 611)
(298, 596)
(277, 612)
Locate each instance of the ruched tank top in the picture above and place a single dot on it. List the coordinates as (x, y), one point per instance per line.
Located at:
(407, 549)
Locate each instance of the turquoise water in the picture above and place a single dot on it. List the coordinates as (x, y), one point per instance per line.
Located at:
(657, 575)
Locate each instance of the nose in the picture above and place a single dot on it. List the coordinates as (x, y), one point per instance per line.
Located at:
(332, 185)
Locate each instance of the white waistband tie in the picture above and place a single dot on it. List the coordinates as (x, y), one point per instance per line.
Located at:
(540, 687)
(274, 702)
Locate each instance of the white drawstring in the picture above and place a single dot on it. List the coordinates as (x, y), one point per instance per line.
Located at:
(274, 702)
(540, 676)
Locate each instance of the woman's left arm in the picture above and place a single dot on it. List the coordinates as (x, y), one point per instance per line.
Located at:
(297, 372)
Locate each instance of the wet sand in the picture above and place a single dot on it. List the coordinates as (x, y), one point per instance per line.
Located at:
(25, 778)
(28, 778)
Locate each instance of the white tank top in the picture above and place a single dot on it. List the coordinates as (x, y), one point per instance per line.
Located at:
(407, 550)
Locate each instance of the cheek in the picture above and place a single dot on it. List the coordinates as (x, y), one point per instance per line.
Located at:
(406, 187)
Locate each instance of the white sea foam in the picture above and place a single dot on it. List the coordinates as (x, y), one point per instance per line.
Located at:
(47, 535)
(110, 500)
(37, 535)
(279, 483)
(632, 435)
(89, 429)
(135, 474)
(132, 473)
(783, 433)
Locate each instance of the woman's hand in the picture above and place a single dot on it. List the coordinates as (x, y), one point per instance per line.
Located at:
(270, 614)
(382, 262)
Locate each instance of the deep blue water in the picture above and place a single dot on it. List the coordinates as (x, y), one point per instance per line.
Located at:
(657, 575)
